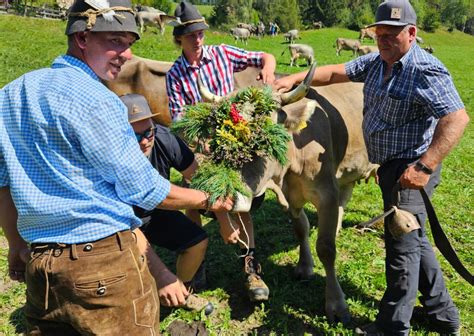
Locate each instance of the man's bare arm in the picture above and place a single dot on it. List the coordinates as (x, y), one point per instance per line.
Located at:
(447, 134)
(184, 198)
(325, 75)
(18, 248)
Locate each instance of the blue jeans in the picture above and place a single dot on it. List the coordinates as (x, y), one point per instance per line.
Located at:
(410, 263)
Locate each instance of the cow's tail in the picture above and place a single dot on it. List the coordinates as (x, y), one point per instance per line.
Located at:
(283, 52)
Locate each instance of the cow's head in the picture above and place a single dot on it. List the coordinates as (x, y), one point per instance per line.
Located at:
(292, 111)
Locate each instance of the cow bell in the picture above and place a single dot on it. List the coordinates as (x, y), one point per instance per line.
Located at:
(402, 222)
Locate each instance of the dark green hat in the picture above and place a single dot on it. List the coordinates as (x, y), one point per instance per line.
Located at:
(101, 16)
(190, 19)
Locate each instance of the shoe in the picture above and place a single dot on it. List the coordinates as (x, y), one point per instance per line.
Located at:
(370, 329)
(256, 287)
(197, 303)
(199, 281)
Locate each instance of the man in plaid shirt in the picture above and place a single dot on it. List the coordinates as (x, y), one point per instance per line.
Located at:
(215, 65)
(413, 117)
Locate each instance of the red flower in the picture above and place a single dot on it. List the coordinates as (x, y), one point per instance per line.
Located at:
(234, 114)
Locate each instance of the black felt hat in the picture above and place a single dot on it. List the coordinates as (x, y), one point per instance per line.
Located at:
(190, 18)
(101, 16)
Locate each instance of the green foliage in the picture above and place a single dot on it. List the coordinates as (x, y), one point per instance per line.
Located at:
(227, 13)
(163, 5)
(218, 181)
(237, 130)
(431, 20)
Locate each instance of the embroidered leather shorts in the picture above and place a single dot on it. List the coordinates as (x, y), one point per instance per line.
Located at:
(97, 288)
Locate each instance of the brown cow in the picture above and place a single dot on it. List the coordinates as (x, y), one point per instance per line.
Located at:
(346, 44)
(364, 50)
(326, 157)
(366, 33)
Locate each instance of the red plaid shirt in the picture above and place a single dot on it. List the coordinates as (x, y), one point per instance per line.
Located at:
(216, 69)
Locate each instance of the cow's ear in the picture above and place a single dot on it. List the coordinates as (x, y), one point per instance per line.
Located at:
(295, 116)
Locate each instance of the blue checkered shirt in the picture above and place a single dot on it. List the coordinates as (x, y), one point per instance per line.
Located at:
(70, 157)
(401, 114)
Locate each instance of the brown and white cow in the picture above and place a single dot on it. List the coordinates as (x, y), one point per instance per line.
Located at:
(366, 33)
(364, 50)
(303, 51)
(346, 44)
(153, 18)
(327, 155)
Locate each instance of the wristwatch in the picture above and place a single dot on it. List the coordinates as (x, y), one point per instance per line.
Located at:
(424, 168)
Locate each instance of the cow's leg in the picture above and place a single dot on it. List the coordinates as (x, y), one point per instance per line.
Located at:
(328, 214)
(345, 193)
(296, 201)
(304, 268)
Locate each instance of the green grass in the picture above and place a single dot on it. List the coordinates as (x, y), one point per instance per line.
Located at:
(294, 308)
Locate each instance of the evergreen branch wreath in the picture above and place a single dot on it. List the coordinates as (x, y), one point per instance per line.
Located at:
(238, 129)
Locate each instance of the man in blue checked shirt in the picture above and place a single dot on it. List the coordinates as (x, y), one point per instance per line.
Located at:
(413, 117)
(70, 171)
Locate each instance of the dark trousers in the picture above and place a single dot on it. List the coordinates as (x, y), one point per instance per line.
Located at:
(97, 288)
(410, 263)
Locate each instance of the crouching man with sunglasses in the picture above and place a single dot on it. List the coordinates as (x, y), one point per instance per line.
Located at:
(170, 229)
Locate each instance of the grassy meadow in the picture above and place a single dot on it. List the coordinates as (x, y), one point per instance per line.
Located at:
(294, 308)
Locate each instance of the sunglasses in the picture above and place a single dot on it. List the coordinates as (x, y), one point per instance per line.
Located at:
(148, 134)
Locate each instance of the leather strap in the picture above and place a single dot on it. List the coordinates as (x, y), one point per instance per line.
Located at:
(442, 242)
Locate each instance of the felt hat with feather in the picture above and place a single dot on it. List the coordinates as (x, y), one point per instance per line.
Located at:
(190, 19)
(101, 16)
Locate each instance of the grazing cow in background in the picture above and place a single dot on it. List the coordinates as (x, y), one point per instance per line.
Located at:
(347, 44)
(364, 50)
(153, 18)
(317, 24)
(366, 33)
(300, 51)
(242, 34)
(250, 27)
(291, 36)
(419, 40)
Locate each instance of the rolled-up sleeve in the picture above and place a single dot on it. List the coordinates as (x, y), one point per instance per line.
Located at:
(241, 58)
(437, 92)
(108, 142)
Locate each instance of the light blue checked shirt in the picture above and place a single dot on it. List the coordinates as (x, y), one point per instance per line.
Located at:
(401, 114)
(70, 157)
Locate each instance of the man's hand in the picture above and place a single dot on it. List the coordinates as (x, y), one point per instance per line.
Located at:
(173, 295)
(229, 234)
(413, 178)
(284, 84)
(225, 204)
(17, 259)
(267, 77)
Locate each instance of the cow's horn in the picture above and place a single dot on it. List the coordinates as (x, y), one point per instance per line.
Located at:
(302, 89)
(207, 95)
